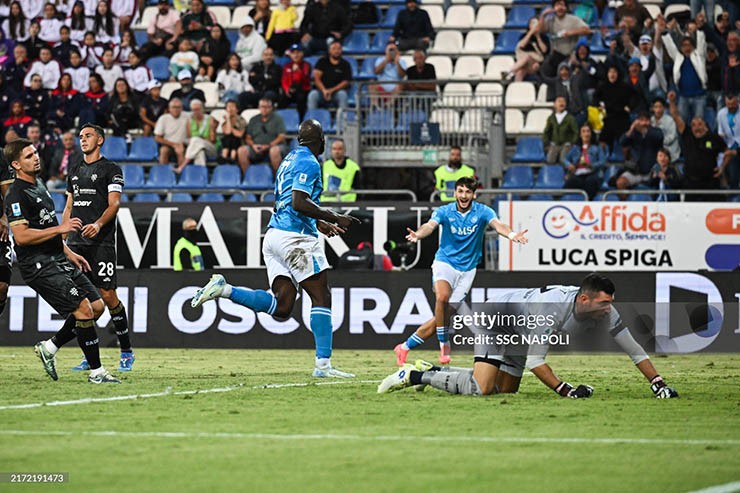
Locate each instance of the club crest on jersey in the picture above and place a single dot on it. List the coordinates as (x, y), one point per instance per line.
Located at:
(94, 177)
(38, 199)
(45, 217)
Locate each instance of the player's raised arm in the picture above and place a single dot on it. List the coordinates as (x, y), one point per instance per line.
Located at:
(425, 230)
(505, 230)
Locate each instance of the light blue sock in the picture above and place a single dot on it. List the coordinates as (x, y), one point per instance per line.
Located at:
(256, 299)
(442, 335)
(414, 341)
(322, 331)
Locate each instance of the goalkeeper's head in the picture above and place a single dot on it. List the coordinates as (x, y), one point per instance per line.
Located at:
(311, 135)
(465, 188)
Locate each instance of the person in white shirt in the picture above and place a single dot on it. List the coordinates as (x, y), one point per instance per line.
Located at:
(171, 133)
(109, 71)
(233, 80)
(32, 9)
(126, 11)
(49, 70)
(105, 25)
(728, 127)
(137, 75)
(123, 50)
(250, 45)
(16, 25)
(90, 7)
(184, 59)
(77, 22)
(50, 24)
(80, 73)
(92, 54)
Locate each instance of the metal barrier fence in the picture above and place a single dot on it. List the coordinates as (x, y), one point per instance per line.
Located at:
(511, 192)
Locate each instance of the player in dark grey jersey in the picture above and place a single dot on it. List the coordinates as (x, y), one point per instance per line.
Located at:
(519, 338)
(6, 250)
(48, 266)
(94, 187)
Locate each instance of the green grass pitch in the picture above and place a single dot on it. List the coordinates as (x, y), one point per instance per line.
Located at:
(345, 437)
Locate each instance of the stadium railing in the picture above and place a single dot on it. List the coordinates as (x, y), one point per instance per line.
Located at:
(383, 193)
(513, 193)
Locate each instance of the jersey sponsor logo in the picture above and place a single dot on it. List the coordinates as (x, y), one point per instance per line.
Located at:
(87, 191)
(82, 203)
(464, 230)
(16, 209)
(560, 221)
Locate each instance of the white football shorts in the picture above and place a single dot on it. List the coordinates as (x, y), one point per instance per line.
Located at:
(294, 255)
(461, 282)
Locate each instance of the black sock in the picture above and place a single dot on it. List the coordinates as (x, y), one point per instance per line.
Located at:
(415, 377)
(66, 333)
(2, 305)
(88, 341)
(120, 322)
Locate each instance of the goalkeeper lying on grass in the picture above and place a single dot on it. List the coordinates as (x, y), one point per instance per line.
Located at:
(500, 355)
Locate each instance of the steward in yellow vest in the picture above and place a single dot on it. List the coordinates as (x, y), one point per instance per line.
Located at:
(340, 173)
(187, 255)
(446, 175)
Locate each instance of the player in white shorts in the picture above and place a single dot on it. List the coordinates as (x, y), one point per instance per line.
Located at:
(463, 224)
(291, 248)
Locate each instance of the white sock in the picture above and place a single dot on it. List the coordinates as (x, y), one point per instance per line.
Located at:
(226, 291)
(405, 347)
(97, 371)
(50, 346)
(323, 363)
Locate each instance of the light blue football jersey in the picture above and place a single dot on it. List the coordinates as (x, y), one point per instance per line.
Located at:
(300, 170)
(461, 245)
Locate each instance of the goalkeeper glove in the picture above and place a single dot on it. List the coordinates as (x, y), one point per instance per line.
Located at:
(565, 389)
(661, 390)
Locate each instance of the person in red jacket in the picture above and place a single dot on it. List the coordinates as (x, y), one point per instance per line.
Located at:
(296, 81)
(17, 120)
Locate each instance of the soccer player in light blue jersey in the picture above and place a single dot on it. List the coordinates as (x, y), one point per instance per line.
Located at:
(463, 224)
(293, 254)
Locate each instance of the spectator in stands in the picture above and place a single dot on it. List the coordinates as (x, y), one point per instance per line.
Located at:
(421, 70)
(413, 28)
(124, 49)
(137, 75)
(18, 120)
(105, 25)
(331, 77)
(34, 43)
(265, 77)
(10, 135)
(584, 163)
(162, 31)
(197, 22)
(187, 92)
(561, 132)
(281, 31)
(637, 79)
(6, 50)
(185, 59)
(340, 173)
(296, 81)
(530, 52)
(6, 96)
(696, 6)
(232, 80)
(233, 128)
(64, 106)
(265, 138)
(260, 13)
(109, 71)
(573, 87)
(64, 47)
(652, 56)
(152, 107)
(714, 77)
(201, 134)
(32, 9)
(640, 146)
(388, 68)
(564, 30)
(250, 45)
(123, 112)
(323, 21)
(182, 6)
(96, 102)
(588, 69)
(44, 148)
(689, 73)
(92, 53)
(16, 26)
(446, 175)
(36, 99)
(77, 22)
(15, 73)
(60, 161)
(171, 133)
(80, 73)
(664, 176)
(616, 97)
(49, 69)
(666, 125)
(728, 127)
(634, 9)
(50, 24)
(701, 149)
(126, 11)
(213, 52)
(730, 55)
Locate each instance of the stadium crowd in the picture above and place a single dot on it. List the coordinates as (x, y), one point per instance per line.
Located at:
(661, 103)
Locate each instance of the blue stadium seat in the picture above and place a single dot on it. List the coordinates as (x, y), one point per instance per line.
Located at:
(144, 149)
(608, 174)
(368, 26)
(60, 200)
(529, 150)
(367, 70)
(617, 156)
(180, 197)
(193, 176)
(539, 197)
(379, 121)
(146, 197)
(518, 177)
(243, 197)
(161, 176)
(506, 42)
(133, 176)
(518, 17)
(389, 19)
(380, 40)
(311, 60)
(356, 43)
(352, 65)
(233, 38)
(597, 44)
(406, 118)
(324, 118)
(573, 197)
(226, 176)
(607, 18)
(114, 148)
(160, 67)
(550, 176)
(210, 197)
(281, 61)
(258, 176)
(270, 197)
(291, 119)
(141, 37)
(124, 198)
(640, 197)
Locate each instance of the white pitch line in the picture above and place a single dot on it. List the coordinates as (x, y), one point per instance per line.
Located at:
(381, 438)
(721, 488)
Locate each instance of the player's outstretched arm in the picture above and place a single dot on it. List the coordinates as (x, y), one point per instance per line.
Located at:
(564, 389)
(303, 204)
(425, 230)
(505, 230)
(24, 236)
(640, 358)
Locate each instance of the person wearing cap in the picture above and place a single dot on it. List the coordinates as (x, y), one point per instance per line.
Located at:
(413, 28)
(152, 107)
(187, 92)
(296, 80)
(281, 31)
(197, 22)
(650, 54)
(250, 45)
(323, 21)
(184, 59)
(564, 30)
(162, 31)
(573, 86)
(137, 74)
(637, 78)
(640, 146)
